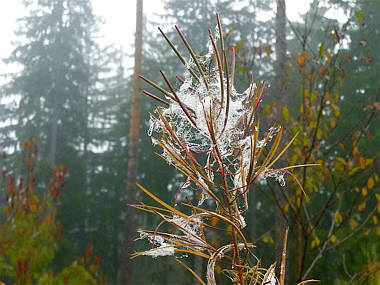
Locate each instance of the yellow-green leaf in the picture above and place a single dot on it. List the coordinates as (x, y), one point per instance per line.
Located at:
(315, 242)
(375, 220)
(338, 218)
(362, 162)
(353, 223)
(306, 92)
(332, 123)
(267, 109)
(288, 68)
(285, 113)
(238, 46)
(306, 141)
(336, 110)
(322, 50)
(341, 160)
(36, 198)
(333, 239)
(362, 206)
(364, 191)
(336, 97)
(356, 148)
(369, 161)
(360, 18)
(370, 183)
(268, 50)
(319, 134)
(313, 124)
(313, 97)
(229, 33)
(286, 208)
(329, 58)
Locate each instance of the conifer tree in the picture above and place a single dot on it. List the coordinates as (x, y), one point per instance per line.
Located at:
(53, 99)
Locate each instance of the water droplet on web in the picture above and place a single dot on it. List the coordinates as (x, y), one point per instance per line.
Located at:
(186, 184)
(151, 127)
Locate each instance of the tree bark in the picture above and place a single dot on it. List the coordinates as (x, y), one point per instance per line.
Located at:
(134, 133)
(281, 48)
(280, 222)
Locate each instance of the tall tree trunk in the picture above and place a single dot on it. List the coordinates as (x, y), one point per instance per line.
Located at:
(281, 223)
(281, 52)
(134, 132)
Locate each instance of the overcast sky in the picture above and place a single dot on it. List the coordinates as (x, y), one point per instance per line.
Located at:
(119, 17)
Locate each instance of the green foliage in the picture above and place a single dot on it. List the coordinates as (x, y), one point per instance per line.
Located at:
(335, 126)
(70, 97)
(30, 232)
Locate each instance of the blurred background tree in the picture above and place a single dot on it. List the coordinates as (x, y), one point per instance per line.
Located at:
(74, 97)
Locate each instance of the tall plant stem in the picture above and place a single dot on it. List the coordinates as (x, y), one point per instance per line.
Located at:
(230, 213)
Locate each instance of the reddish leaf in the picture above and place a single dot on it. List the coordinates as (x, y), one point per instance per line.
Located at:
(322, 71)
(367, 59)
(301, 61)
(89, 250)
(30, 162)
(98, 259)
(258, 50)
(346, 57)
(12, 185)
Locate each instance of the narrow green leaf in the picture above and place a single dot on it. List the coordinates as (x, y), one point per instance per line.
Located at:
(360, 18)
(285, 113)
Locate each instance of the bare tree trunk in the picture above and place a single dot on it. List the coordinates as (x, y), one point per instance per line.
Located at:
(280, 51)
(281, 223)
(134, 132)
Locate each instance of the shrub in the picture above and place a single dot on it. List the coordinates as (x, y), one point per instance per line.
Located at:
(30, 232)
(208, 131)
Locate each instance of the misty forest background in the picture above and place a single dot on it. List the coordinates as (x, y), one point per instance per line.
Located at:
(65, 117)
